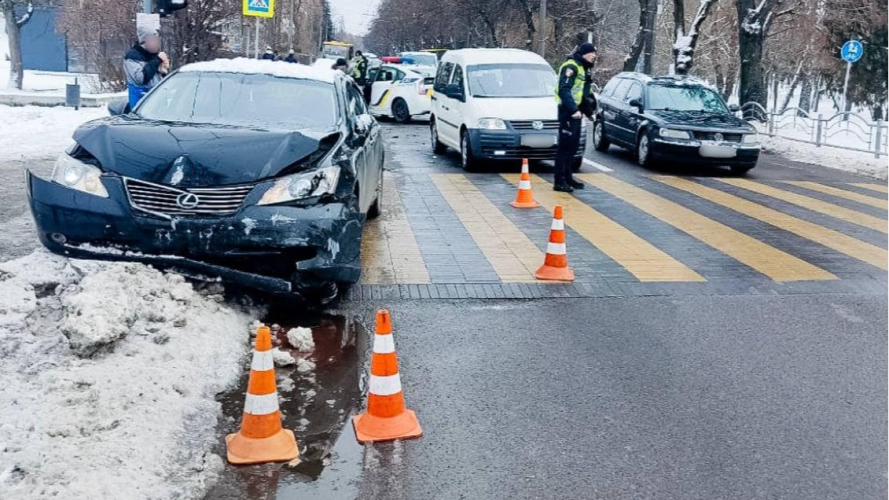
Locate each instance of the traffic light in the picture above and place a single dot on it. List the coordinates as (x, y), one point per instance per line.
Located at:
(167, 7)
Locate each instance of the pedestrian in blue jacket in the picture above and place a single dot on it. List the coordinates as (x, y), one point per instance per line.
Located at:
(144, 64)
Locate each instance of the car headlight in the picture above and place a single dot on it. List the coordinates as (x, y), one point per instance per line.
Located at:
(491, 124)
(751, 138)
(75, 174)
(675, 134)
(304, 185)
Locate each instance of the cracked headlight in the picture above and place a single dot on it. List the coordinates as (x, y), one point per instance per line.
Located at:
(303, 185)
(751, 138)
(491, 124)
(75, 174)
(675, 134)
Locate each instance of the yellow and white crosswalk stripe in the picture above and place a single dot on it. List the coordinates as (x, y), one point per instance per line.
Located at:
(835, 240)
(639, 257)
(513, 256)
(813, 204)
(842, 193)
(764, 258)
(880, 188)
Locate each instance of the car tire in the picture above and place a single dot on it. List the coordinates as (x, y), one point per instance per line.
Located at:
(437, 147)
(400, 111)
(600, 142)
(376, 209)
(468, 161)
(643, 150)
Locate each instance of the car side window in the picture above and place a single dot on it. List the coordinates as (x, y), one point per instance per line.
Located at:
(398, 76)
(356, 102)
(609, 87)
(621, 90)
(635, 92)
(444, 76)
(458, 76)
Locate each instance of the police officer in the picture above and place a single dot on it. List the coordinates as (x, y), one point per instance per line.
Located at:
(359, 69)
(575, 100)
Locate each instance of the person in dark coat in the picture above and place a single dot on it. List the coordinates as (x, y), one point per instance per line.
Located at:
(291, 57)
(575, 100)
(269, 54)
(144, 64)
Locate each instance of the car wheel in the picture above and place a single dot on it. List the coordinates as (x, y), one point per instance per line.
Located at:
(377, 208)
(599, 141)
(643, 150)
(466, 159)
(400, 111)
(437, 147)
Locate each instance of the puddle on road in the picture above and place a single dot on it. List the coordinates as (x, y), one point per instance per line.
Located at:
(317, 407)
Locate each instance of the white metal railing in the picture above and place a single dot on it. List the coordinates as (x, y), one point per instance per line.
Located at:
(847, 130)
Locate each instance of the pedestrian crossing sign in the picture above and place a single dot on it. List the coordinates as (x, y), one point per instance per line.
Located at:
(259, 8)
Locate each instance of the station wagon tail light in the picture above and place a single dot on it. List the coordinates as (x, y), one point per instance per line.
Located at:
(751, 138)
(75, 174)
(675, 134)
(300, 186)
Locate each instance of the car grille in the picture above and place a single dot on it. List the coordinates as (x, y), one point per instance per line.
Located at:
(529, 124)
(162, 200)
(711, 136)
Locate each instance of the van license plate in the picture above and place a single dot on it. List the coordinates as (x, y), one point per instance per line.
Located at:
(539, 140)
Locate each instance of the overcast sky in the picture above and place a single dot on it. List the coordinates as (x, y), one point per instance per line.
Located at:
(355, 13)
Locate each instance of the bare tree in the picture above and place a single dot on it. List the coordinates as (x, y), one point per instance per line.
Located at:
(684, 43)
(643, 45)
(13, 30)
(754, 20)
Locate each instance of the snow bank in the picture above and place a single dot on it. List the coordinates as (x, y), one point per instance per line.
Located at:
(110, 372)
(31, 132)
(259, 66)
(840, 159)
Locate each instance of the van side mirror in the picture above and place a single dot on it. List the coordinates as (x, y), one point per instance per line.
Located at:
(454, 91)
(636, 103)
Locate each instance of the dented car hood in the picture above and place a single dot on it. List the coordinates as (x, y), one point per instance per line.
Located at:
(195, 155)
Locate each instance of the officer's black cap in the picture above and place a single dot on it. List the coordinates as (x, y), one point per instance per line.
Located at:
(585, 48)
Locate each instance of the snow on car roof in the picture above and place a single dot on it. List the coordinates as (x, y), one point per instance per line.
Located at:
(263, 67)
(493, 56)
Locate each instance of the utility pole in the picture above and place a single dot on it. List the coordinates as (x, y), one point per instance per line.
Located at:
(543, 29)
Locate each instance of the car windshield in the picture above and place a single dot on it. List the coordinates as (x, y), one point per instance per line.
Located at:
(249, 100)
(422, 59)
(511, 80)
(684, 98)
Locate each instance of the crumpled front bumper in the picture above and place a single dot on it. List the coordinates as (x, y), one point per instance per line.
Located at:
(277, 248)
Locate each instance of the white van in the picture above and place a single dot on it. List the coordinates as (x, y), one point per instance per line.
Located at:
(496, 104)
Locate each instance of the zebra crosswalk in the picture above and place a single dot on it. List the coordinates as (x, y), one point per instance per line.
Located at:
(643, 229)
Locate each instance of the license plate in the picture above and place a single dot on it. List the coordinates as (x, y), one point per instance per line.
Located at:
(539, 140)
(715, 150)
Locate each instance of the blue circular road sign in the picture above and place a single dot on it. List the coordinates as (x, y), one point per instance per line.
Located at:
(852, 51)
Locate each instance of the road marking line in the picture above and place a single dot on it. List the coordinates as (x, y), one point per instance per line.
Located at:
(597, 165)
(389, 251)
(640, 258)
(813, 204)
(880, 188)
(835, 240)
(842, 193)
(774, 263)
(510, 252)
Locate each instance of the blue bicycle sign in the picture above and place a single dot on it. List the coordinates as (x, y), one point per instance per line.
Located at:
(852, 51)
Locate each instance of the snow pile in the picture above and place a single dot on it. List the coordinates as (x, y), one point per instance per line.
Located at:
(110, 372)
(282, 358)
(301, 339)
(259, 66)
(32, 132)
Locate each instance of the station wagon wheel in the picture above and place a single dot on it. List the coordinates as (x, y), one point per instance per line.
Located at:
(400, 111)
(599, 141)
(643, 150)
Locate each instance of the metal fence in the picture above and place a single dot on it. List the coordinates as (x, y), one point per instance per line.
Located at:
(849, 131)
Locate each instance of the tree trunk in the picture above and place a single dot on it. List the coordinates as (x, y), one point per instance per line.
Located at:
(752, 26)
(793, 85)
(684, 43)
(648, 51)
(805, 96)
(16, 71)
(632, 59)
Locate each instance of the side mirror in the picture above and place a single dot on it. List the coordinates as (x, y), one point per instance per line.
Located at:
(734, 108)
(118, 107)
(363, 124)
(454, 91)
(636, 103)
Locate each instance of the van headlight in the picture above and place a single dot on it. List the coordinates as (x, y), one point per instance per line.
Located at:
(491, 124)
(675, 134)
(304, 185)
(751, 138)
(75, 174)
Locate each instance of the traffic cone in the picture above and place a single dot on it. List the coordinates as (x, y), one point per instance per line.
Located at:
(386, 418)
(261, 438)
(524, 198)
(555, 264)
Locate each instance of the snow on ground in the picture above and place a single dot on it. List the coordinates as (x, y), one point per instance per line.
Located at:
(27, 131)
(43, 82)
(110, 372)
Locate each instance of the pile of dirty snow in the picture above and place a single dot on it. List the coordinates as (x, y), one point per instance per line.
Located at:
(109, 373)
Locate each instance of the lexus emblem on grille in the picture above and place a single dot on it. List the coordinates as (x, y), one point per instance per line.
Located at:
(537, 125)
(187, 200)
(718, 137)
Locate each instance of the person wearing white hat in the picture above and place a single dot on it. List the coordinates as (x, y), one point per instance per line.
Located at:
(291, 57)
(144, 65)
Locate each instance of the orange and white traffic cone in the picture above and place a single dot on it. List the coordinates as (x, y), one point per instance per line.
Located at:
(386, 418)
(524, 197)
(555, 264)
(261, 438)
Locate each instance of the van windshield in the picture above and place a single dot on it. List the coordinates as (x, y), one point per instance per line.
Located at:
(511, 80)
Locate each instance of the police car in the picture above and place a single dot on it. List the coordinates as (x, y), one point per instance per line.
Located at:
(399, 92)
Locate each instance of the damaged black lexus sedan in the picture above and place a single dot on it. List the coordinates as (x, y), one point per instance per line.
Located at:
(257, 172)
